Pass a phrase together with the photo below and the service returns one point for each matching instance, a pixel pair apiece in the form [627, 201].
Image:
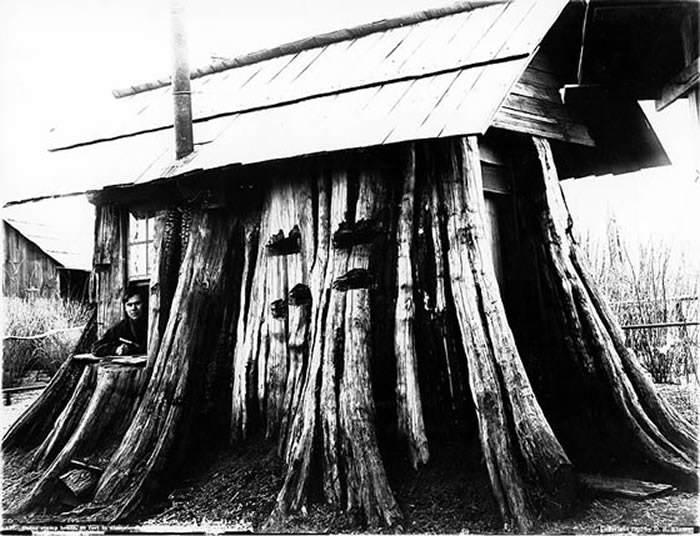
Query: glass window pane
[151, 226]
[137, 261]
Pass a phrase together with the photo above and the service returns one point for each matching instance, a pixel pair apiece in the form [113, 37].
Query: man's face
[134, 307]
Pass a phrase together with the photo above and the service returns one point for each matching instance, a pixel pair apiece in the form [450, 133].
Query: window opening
[141, 248]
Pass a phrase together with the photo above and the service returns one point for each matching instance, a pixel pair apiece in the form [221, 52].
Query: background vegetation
[651, 282]
[36, 316]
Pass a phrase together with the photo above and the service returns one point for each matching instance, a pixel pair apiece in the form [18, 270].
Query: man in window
[128, 336]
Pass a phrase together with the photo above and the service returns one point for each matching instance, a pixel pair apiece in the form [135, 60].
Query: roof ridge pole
[182, 96]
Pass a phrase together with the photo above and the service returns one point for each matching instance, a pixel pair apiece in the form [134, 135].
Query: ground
[236, 490]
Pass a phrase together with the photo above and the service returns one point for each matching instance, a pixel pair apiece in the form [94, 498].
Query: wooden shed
[42, 259]
[368, 246]
[28, 269]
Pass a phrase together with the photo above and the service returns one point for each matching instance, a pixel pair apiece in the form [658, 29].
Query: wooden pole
[182, 98]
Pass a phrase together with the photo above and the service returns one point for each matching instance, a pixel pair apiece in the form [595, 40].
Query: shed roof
[439, 73]
[56, 226]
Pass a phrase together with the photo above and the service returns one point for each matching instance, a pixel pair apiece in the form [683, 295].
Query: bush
[651, 283]
[34, 316]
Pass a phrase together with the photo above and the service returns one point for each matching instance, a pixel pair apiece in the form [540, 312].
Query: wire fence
[668, 340]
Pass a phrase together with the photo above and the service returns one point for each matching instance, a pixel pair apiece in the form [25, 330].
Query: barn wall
[27, 267]
[109, 265]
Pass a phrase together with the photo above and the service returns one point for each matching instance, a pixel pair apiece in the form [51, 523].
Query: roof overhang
[637, 46]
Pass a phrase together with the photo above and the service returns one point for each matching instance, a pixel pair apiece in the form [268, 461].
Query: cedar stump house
[364, 252]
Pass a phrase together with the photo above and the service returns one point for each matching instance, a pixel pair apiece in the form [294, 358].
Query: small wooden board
[128, 360]
[624, 487]
[86, 358]
[79, 482]
[131, 361]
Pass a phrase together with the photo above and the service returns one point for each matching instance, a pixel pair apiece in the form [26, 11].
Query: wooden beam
[681, 84]
[573, 92]
[316, 42]
[623, 487]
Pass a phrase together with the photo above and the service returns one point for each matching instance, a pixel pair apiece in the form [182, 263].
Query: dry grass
[651, 283]
[29, 317]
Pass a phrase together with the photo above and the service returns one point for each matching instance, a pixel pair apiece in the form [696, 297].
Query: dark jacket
[128, 330]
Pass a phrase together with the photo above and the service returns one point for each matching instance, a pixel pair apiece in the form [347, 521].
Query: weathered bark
[193, 323]
[366, 486]
[408, 399]
[68, 419]
[512, 426]
[276, 320]
[335, 420]
[332, 348]
[163, 281]
[108, 263]
[487, 392]
[332, 205]
[658, 435]
[35, 423]
[673, 426]
[310, 342]
[99, 411]
[443, 368]
[272, 329]
[250, 356]
[299, 309]
[241, 403]
[299, 302]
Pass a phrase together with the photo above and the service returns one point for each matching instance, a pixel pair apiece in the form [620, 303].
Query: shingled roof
[433, 74]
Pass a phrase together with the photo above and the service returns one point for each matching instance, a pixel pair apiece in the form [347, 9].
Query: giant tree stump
[595, 341]
[91, 425]
[353, 294]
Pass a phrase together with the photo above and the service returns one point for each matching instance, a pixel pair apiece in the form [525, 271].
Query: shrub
[33, 316]
[650, 283]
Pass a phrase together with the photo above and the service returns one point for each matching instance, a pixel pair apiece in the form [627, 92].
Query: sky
[62, 59]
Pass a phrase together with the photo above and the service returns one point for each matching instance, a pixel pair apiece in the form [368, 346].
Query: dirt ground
[236, 491]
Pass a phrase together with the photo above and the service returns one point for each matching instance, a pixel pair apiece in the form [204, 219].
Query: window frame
[146, 242]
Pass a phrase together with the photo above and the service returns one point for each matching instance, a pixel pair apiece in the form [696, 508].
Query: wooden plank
[624, 487]
[86, 358]
[496, 179]
[493, 235]
[79, 482]
[527, 89]
[518, 121]
[127, 361]
[82, 465]
[545, 109]
[538, 79]
[490, 153]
